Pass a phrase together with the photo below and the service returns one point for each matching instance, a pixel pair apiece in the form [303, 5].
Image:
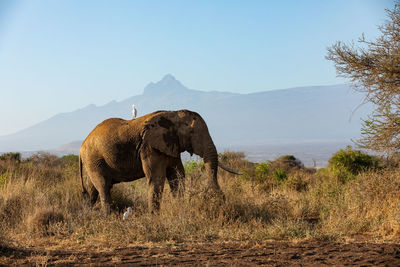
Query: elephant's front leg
[154, 194]
[154, 167]
[176, 177]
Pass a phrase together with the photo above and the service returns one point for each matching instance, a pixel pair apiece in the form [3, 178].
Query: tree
[374, 69]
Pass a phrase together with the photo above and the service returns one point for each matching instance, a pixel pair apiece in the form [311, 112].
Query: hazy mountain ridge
[304, 113]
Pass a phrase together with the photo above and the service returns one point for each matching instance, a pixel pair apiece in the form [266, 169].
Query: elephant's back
[102, 131]
[109, 124]
[115, 128]
[112, 146]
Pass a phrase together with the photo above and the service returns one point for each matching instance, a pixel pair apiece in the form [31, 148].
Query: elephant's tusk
[228, 169]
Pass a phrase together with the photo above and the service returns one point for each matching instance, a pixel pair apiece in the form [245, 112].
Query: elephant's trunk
[210, 158]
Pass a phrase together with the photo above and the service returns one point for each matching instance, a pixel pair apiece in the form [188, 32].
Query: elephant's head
[173, 132]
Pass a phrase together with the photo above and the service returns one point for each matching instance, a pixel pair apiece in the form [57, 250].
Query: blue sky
[58, 56]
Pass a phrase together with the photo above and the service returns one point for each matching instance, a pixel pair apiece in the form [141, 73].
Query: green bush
[70, 159]
[192, 165]
[347, 163]
[262, 172]
[274, 172]
[280, 175]
[13, 156]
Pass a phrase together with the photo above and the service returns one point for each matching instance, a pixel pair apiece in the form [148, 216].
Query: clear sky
[58, 56]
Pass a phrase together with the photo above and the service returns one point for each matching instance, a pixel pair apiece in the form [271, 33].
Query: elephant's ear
[160, 133]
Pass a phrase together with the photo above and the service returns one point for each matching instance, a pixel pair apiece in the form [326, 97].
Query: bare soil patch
[222, 254]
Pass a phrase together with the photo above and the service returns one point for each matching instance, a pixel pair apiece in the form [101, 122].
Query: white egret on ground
[126, 213]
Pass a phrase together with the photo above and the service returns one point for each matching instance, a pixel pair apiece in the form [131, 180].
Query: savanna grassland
[277, 212]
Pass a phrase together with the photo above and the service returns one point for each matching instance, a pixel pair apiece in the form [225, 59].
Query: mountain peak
[169, 81]
[168, 77]
[168, 84]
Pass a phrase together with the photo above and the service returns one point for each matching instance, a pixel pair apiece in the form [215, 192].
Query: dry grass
[40, 201]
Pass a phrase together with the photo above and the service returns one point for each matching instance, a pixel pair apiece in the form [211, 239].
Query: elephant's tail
[84, 192]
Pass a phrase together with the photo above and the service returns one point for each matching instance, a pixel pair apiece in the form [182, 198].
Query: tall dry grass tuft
[43, 220]
[40, 201]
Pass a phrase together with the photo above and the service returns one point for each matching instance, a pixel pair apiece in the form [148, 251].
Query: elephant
[120, 150]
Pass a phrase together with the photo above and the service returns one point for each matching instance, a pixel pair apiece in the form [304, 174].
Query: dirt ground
[215, 254]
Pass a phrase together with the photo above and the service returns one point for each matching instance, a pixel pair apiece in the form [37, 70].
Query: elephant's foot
[214, 194]
[214, 189]
[105, 200]
[106, 209]
[153, 206]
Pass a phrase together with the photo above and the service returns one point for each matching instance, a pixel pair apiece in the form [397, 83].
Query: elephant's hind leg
[176, 178]
[103, 188]
[92, 191]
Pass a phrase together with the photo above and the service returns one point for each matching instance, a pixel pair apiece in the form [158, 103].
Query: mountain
[304, 114]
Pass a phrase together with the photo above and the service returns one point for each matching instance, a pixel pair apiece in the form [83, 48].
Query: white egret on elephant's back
[134, 112]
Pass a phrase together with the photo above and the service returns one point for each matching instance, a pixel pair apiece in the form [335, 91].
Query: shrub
[287, 163]
[44, 159]
[269, 174]
[12, 156]
[193, 165]
[347, 163]
[231, 156]
[262, 171]
[235, 160]
[70, 159]
[280, 175]
[69, 164]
